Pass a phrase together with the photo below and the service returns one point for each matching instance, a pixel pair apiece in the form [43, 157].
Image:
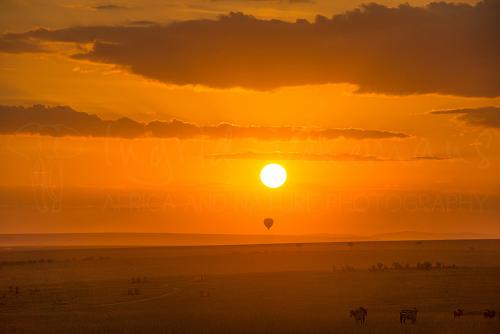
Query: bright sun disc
[273, 175]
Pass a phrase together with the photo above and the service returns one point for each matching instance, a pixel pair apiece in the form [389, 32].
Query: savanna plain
[282, 288]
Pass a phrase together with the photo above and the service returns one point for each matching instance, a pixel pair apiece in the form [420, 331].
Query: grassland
[292, 288]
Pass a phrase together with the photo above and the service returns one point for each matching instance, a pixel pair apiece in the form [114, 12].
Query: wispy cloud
[278, 155]
[488, 117]
[109, 7]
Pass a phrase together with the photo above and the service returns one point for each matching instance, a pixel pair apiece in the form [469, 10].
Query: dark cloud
[109, 7]
[64, 121]
[10, 43]
[313, 157]
[431, 157]
[443, 48]
[276, 1]
[301, 1]
[488, 117]
[142, 23]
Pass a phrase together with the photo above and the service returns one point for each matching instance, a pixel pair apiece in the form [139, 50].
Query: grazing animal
[489, 314]
[458, 313]
[359, 315]
[409, 314]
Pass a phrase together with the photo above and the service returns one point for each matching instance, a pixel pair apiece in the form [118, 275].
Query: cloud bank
[445, 48]
[64, 121]
[314, 157]
[488, 117]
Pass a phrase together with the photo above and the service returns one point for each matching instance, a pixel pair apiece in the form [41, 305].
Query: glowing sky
[386, 117]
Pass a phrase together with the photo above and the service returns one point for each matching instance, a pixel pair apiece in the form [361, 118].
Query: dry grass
[249, 289]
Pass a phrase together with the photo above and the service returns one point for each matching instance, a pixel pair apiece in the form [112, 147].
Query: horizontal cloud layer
[488, 117]
[10, 43]
[64, 121]
[109, 7]
[314, 157]
[440, 48]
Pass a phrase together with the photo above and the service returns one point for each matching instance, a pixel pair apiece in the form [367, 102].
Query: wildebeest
[359, 315]
[408, 314]
[489, 314]
[458, 313]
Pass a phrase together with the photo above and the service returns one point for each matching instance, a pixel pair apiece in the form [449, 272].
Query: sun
[273, 175]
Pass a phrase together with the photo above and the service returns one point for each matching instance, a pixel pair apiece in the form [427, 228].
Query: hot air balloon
[268, 222]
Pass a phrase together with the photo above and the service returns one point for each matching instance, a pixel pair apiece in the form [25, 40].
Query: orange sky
[409, 166]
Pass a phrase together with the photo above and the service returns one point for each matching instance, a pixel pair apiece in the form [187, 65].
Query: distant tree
[424, 265]
[397, 266]
[348, 268]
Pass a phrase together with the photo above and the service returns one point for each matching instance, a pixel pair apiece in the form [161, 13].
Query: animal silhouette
[359, 315]
[408, 314]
